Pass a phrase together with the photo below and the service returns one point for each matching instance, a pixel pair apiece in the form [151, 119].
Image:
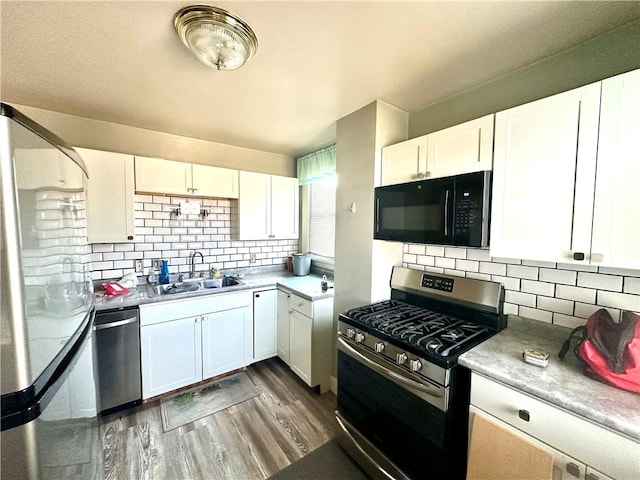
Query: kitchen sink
[194, 285]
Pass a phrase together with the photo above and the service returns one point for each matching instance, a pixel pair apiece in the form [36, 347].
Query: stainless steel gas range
[402, 398]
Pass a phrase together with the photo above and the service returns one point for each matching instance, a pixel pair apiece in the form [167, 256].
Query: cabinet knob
[592, 476]
[578, 255]
[524, 415]
[129, 237]
[573, 469]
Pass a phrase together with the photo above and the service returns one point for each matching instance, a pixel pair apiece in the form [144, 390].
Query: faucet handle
[181, 278]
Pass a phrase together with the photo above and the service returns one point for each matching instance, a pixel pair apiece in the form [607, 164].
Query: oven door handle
[388, 373]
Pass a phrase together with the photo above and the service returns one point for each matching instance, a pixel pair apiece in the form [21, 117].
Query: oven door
[415, 212]
[388, 420]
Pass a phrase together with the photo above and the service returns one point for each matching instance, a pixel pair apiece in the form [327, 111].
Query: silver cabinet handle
[573, 469]
[115, 324]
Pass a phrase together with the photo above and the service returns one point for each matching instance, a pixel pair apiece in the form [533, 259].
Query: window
[322, 217]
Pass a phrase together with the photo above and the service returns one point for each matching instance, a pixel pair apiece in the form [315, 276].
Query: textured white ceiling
[317, 61]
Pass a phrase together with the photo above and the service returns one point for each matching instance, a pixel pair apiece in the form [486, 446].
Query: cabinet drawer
[301, 305]
[594, 445]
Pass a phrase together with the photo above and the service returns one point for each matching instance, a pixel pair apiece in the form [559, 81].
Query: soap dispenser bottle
[164, 272]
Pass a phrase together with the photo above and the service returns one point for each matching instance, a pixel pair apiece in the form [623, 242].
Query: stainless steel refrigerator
[49, 427]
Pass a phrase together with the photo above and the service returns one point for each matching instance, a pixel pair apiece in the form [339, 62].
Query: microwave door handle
[446, 213]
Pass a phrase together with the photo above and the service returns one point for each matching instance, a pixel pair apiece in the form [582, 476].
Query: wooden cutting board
[497, 454]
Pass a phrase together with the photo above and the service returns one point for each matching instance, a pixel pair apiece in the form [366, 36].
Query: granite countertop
[307, 286]
[561, 383]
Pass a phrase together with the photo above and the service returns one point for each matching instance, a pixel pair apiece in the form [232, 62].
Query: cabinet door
[227, 341]
[284, 207]
[404, 162]
[283, 325]
[155, 175]
[110, 194]
[254, 206]
[265, 343]
[463, 148]
[171, 355]
[543, 177]
[214, 181]
[616, 216]
[300, 353]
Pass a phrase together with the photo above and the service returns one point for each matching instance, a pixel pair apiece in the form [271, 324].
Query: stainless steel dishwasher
[118, 347]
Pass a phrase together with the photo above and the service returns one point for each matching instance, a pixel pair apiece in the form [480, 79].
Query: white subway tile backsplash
[123, 247]
[510, 308]
[467, 265]
[416, 249]
[513, 261]
[622, 301]
[578, 267]
[578, 294]
[435, 250]
[535, 263]
[600, 281]
[445, 262]
[520, 298]
[631, 285]
[479, 276]
[102, 247]
[478, 254]
[453, 273]
[507, 282]
[555, 305]
[519, 271]
[618, 271]
[493, 268]
[564, 277]
[426, 260]
[540, 315]
[539, 288]
[453, 252]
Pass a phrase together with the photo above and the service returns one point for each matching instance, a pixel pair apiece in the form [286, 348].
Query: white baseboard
[333, 385]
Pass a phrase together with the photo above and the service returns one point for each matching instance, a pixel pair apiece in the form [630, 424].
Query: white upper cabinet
[110, 196]
[404, 162]
[543, 177]
[565, 178]
[214, 181]
[616, 214]
[267, 207]
[155, 175]
[463, 148]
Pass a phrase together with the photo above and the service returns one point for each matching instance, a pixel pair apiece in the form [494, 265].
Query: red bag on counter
[609, 351]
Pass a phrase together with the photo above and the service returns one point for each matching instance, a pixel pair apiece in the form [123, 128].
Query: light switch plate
[139, 267]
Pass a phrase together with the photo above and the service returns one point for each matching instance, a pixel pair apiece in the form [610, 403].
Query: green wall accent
[612, 53]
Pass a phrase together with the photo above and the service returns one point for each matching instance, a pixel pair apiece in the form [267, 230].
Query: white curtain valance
[317, 165]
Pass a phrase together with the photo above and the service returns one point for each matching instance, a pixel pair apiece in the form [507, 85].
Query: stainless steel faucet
[193, 263]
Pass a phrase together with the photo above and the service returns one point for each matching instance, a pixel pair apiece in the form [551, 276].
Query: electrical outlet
[156, 265]
[252, 258]
[139, 268]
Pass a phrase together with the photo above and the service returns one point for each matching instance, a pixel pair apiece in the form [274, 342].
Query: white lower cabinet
[300, 336]
[265, 343]
[171, 355]
[305, 334]
[580, 449]
[226, 341]
[186, 341]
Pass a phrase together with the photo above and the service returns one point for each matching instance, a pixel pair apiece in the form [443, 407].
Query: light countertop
[308, 286]
[561, 383]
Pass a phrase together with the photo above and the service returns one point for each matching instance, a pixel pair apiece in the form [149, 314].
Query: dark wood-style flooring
[251, 440]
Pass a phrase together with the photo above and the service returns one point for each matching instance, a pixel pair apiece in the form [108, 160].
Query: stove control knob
[401, 358]
[351, 333]
[379, 346]
[415, 365]
[359, 337]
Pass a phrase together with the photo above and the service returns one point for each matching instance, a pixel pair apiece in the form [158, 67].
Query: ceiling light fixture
[216, 37]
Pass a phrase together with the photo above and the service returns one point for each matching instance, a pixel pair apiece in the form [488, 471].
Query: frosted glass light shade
[217, 38]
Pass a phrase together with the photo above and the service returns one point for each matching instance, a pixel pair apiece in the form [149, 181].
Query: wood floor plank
[250, 440]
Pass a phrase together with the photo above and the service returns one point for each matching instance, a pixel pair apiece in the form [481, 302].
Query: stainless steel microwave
[444, 211]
